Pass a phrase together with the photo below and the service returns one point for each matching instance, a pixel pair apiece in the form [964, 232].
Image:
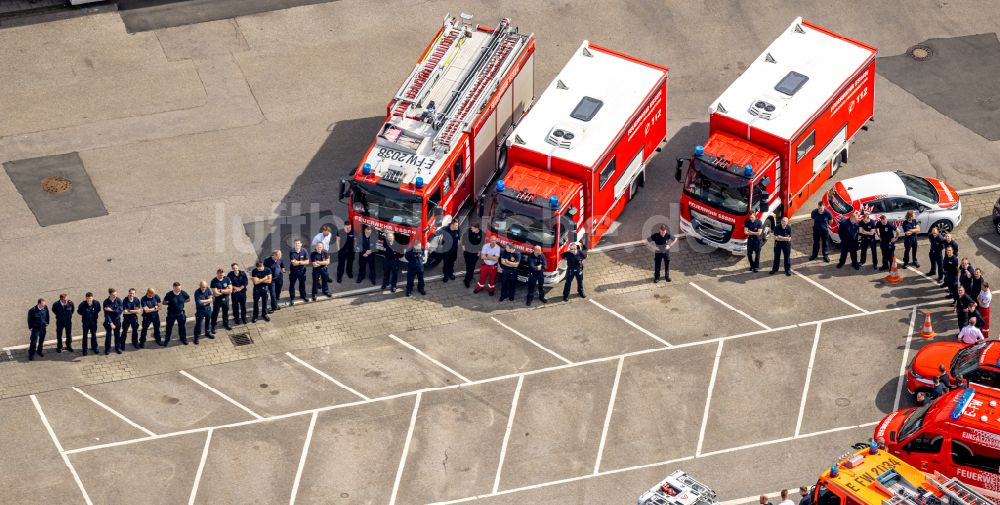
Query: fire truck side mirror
[343, 190]
[680, 166]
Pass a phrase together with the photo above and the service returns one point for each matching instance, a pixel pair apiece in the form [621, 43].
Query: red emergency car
[958, 435]
[978, 364]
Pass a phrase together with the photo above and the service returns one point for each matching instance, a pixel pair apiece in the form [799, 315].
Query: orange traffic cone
[893, 277]
[927, 332]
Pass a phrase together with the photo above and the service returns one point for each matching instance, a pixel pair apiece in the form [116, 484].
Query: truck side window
[805, 146]
[445, 183]
[972, 455]
[457, 168]
[607, 172]
[926, 443]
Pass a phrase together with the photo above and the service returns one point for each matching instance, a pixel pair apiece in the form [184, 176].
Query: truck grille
[711, 229]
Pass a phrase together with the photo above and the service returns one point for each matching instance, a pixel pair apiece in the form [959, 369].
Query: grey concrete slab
[31, 470]
[145, 15]
[480, 349]
[558, 423]
[273, 385]
[659, 406]
[757, 388]
[377, 367]
[456, 443]
[579, 330]
[76, 198]
[663, 311]
[789, 300]
[355, 452]
[864, 351]
[79, 422]
[167, 403]
[868, 289]
[165, 467]
[254, 463]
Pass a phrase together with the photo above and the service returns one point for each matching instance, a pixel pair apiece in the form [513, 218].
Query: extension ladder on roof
[962, 494]
[427, 71]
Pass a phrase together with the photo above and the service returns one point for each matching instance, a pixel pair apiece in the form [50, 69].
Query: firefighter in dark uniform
[663, 240]
[415, 267]
[910, 230]
[151, 305]
[320, 260]
[949, 271]
[472, 244]
[298, 260]
[239, 282]
[536, 275]
[574, 269]
[935, 252]
[38, 320]
[261, 279]
[886, 241]
[63, 311]
[89, 311]
[131, 308]
[345, 252]
[221, 289]
[366, 256]
[202, 311]
[175, 300]
[390, 264]
[277, 268]
[848, 232]
[754, 228]
[821, 218]
[113, 322]
[783, 245]
[510, 258]
[868, 229]
[451, 239]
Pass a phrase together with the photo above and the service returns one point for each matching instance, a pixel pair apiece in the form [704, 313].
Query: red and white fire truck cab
[777, 134]
[443, 137]
[580, 155]
[957, 435]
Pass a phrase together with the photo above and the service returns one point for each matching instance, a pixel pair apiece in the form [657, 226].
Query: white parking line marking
[632, 324]
[302, 459]
[730, 307]
[506, 435]
[221, 394]
[327, 377]
[59, 447]
[918, 272]
[432, 360]
[406, 451]
[831, 293]
[906, 356]
[607, 417]
[987, 242]
[201, 468]
[115, 412]
[708, 400]
[536, 344]
[809, 372]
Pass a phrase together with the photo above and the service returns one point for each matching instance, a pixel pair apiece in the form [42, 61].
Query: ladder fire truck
[678, 489]
[442, 141]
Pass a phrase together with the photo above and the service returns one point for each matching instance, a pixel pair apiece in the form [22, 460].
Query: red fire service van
[957, 435]
[443, 137]
[580, 155]
[777, 134]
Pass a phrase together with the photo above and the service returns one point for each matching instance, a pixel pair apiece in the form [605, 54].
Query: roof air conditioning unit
[763, 109]
[563, 136]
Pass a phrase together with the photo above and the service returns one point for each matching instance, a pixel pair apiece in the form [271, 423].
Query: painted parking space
[79, 422]
[868, 289]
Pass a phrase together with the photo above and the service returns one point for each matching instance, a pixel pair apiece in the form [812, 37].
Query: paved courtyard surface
[188, 134]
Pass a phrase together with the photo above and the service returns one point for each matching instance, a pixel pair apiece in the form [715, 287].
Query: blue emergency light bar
[366, 168]
[554, 202]
[500, 186]
[963, 401]
[834, 471]
[418, 182]
[699, 150]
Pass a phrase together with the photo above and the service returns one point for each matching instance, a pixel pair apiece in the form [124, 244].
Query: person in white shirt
[784, 498]
[324, 236]
[983, 299]
[970, 334]
[490, 254]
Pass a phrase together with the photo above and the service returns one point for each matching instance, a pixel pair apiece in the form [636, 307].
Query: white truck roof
[796, 75]
[592, 98]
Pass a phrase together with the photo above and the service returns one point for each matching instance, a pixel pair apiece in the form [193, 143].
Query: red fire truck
[580, 155]
[443, 137]
[777, 134]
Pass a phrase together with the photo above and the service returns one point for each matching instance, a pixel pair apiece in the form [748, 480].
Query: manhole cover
[56, 185]
[920, 52]
[239, 339]
[842, 402]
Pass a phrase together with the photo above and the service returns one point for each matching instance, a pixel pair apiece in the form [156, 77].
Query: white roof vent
[564, 136]
[765, 109]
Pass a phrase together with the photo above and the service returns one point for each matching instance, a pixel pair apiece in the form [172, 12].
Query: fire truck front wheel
[766, 232]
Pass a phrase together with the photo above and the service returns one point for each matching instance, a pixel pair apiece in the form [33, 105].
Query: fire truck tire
[766, 232]
[835, 163]
[943, 226]
[502, 160]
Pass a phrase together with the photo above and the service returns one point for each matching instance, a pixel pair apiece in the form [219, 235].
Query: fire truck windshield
[387, 205]
[523, 222]
[913, 422]
[717, 188]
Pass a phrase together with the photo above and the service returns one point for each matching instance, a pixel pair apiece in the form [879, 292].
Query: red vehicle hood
[947, 196]
[926, 362]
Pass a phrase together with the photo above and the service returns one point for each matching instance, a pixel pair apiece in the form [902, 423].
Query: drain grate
[920, 52]
[56, 185]
[239, 339]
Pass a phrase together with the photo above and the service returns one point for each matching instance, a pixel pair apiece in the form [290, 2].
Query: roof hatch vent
[791, 83]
